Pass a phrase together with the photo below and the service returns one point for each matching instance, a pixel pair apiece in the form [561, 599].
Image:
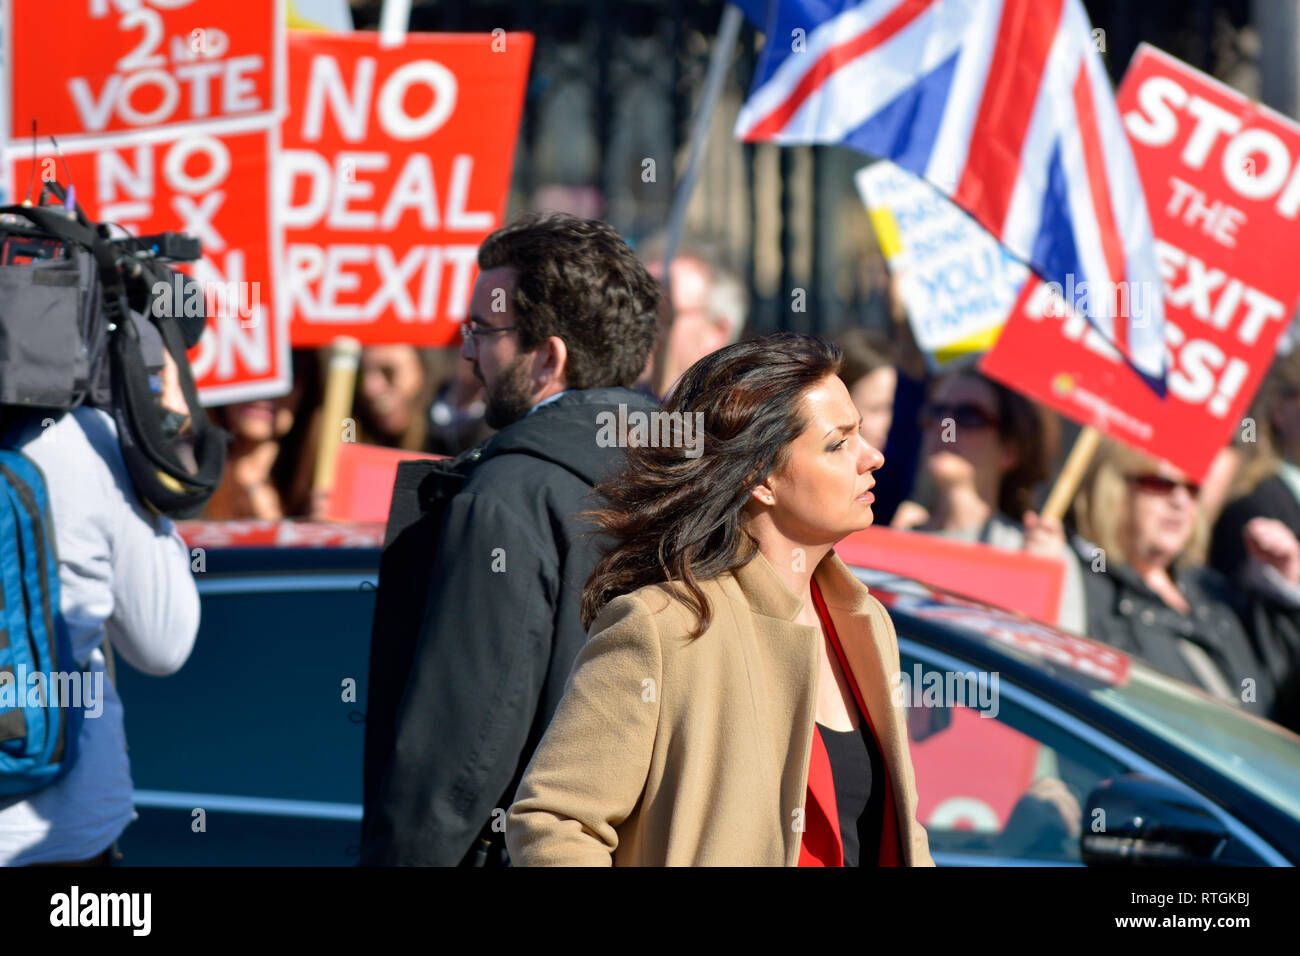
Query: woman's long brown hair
[672, 518]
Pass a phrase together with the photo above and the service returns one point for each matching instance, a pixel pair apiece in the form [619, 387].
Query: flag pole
[719, 61]
[1076, 466]
[394, 20]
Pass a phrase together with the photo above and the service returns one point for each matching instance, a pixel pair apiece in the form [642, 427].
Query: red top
[822, 843]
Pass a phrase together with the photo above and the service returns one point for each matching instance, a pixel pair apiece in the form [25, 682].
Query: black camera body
[84, 320]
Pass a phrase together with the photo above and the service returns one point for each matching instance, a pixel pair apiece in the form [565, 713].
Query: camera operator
[124, 574]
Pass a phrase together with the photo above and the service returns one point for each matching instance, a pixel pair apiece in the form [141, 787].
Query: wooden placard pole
[345, 356]
[1076, 465]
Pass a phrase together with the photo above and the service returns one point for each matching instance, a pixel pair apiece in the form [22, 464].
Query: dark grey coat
[1125, 613]
[498, 630]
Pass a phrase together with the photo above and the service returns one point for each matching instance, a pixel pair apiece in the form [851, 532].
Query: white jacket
[125, 573]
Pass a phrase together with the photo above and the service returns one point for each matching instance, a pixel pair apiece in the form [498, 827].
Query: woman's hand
[1273, 543]
[909, 515]
[1044, 536]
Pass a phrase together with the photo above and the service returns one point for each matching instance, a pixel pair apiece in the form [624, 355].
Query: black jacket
[1271, 498]
[476, 628]
[1125, 613]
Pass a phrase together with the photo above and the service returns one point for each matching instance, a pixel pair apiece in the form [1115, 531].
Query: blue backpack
[38, 730]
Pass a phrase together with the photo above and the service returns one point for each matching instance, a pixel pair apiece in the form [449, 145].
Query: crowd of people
[1203, 580]
[1200, 580]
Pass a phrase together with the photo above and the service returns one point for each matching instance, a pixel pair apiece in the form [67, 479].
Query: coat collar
[768, 594]
[871, 668]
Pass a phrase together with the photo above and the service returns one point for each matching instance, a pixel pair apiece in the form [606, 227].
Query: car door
[1003, 775]
[251, 753]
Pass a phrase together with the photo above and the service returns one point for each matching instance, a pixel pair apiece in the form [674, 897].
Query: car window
[992, 778]
[1259, 755]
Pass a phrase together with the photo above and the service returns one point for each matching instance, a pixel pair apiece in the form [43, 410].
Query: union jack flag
[1005, 106]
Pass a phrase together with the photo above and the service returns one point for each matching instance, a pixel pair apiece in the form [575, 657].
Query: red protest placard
[1222, 181]
[105, 66]
[363, 481]
[1014, 580]
[395, 166]
[211, 185]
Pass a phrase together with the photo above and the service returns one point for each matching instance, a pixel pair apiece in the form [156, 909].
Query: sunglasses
[963, 414]
[1160, 485]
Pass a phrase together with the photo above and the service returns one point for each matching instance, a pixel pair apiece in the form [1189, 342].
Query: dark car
[1031, 746]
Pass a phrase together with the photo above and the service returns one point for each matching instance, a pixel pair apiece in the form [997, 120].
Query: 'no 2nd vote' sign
[1221, 176]
[395, 166]
[94, 67]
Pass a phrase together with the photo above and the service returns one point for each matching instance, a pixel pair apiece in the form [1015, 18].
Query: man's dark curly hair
[577, 279]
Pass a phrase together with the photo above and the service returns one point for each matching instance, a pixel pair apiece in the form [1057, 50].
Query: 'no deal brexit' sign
[394, 168]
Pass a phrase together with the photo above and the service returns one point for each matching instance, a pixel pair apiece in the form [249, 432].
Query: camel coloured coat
[668, 750]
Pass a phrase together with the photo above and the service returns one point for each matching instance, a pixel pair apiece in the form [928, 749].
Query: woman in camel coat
[746, 713]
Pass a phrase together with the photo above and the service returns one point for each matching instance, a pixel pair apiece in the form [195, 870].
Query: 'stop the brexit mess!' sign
[1222, 179]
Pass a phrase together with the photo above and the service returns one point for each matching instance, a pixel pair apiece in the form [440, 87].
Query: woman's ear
[763, 493]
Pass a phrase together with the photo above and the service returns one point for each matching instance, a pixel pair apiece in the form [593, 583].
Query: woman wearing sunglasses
[742, 714]
[1148, 593]
[984, 449]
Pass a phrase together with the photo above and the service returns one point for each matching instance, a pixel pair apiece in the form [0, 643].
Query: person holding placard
[1147, 595]
[984, 450]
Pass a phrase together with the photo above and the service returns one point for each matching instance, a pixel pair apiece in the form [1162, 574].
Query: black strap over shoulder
[155, 469]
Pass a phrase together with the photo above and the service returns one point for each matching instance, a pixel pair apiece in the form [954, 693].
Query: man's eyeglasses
[469, 331]
[1160, 485]
[963, 414]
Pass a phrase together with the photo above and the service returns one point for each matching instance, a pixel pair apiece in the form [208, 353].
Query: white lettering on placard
[293, 164]
[1256, 164]
[199, 67]
[125, 186]
[1216, 219]
[112, 172]
[350, 108]
[346, 189]
[462, 169]
[320, 280]
[414, 190]
[392, 111]
[1206, 293]
[325, 82]
[176, 161]
[345, 202]
[1198, 370]
[196, 218]
[226, 336]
